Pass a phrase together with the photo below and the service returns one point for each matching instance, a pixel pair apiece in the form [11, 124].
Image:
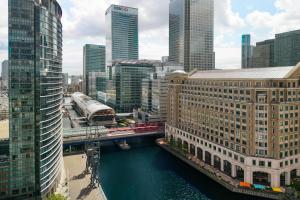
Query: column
[212, 160]
[287, 178]
[203, 155]
[275, 179]
[298, 172]
[222, 165]
[196, 151]
[248, 176]
[233, 171]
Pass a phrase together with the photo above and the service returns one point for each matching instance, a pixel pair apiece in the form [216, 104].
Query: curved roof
[179, 72]
[89, 105]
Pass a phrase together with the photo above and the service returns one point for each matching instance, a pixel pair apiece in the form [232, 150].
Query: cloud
[225, 18]
[286, 18]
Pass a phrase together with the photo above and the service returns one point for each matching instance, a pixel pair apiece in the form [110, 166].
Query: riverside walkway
[79, 181]
[219, 177]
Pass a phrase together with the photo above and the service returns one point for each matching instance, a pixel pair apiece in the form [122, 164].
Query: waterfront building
[93, 61]
[263, 54]
[154, 95]
[122, 37]
[191, 34]
[35, 97]
[4, 74]
[243, 122]
[247, 50]
[124, 88]
[287, 48]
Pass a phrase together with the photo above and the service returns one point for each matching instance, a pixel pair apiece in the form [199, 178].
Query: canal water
[146, 172]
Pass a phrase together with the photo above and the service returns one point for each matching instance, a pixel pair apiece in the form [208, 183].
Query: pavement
[79, 180]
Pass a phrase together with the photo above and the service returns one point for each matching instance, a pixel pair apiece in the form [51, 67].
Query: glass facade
[122, 41]
[191, 34]
[93, 61]
[124, 89]
[35, 96]
[287, 48]
[247, 50]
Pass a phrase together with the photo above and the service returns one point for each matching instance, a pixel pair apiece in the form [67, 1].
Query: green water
[146, 172]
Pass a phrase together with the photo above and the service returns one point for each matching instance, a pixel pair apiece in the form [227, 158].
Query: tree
[57, 197]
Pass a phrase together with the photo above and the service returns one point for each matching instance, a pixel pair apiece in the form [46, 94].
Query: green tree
[57, 197]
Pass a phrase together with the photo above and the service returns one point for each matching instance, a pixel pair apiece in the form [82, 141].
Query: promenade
[216, 175]
[79, 180]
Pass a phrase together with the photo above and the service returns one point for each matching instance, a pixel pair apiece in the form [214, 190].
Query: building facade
[244, 123]
[35, 97]
[122, 37]
[263, 54]
[287, 48]
[124, 87]
[93, 61]
[4, 74]
[247, 50]
[191, 34]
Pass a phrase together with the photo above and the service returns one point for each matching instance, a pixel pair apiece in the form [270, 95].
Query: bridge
[79, 136]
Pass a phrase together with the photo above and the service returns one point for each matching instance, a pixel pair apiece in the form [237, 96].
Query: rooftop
[4, 129]
[253, 73]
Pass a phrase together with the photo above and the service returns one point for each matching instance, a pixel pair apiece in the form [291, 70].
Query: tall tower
[191, 34]
[247, 51]
[93, 61]
[122, 37]
[35, 97]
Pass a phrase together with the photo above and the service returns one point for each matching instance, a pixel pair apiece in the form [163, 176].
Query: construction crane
[92, 151]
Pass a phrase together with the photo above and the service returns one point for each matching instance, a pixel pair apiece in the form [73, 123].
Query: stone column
[275, 179]
[298, 172]
[222, 165]
[233, 171]
[248, 176]
[287, 178]
[203, 155]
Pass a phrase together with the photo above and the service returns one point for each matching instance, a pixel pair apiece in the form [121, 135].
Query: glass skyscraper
[287, 48]
[35, 97]
[247, 50]
[122, 38]
[93, 61]
[191, 34]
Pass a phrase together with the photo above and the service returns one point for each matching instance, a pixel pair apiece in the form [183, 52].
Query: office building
[154, 95]
[96, 82]
[287, 48]
[191, 34]
[247, 50]
[65, 81]
[4, 74]
[122, 37]
[124, 89]
[243, 122]
[284, 50]
[93, 61]
[35, 97]
[263, 54]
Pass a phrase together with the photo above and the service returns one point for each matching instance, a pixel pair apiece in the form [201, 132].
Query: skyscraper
[4, 74]
[247, 50]
[263, 54]
[35, 97]
[122, 38]
[287, 48]
[191, 34]
[93, 61]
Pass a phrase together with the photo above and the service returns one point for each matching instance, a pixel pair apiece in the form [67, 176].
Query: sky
[84, 22]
